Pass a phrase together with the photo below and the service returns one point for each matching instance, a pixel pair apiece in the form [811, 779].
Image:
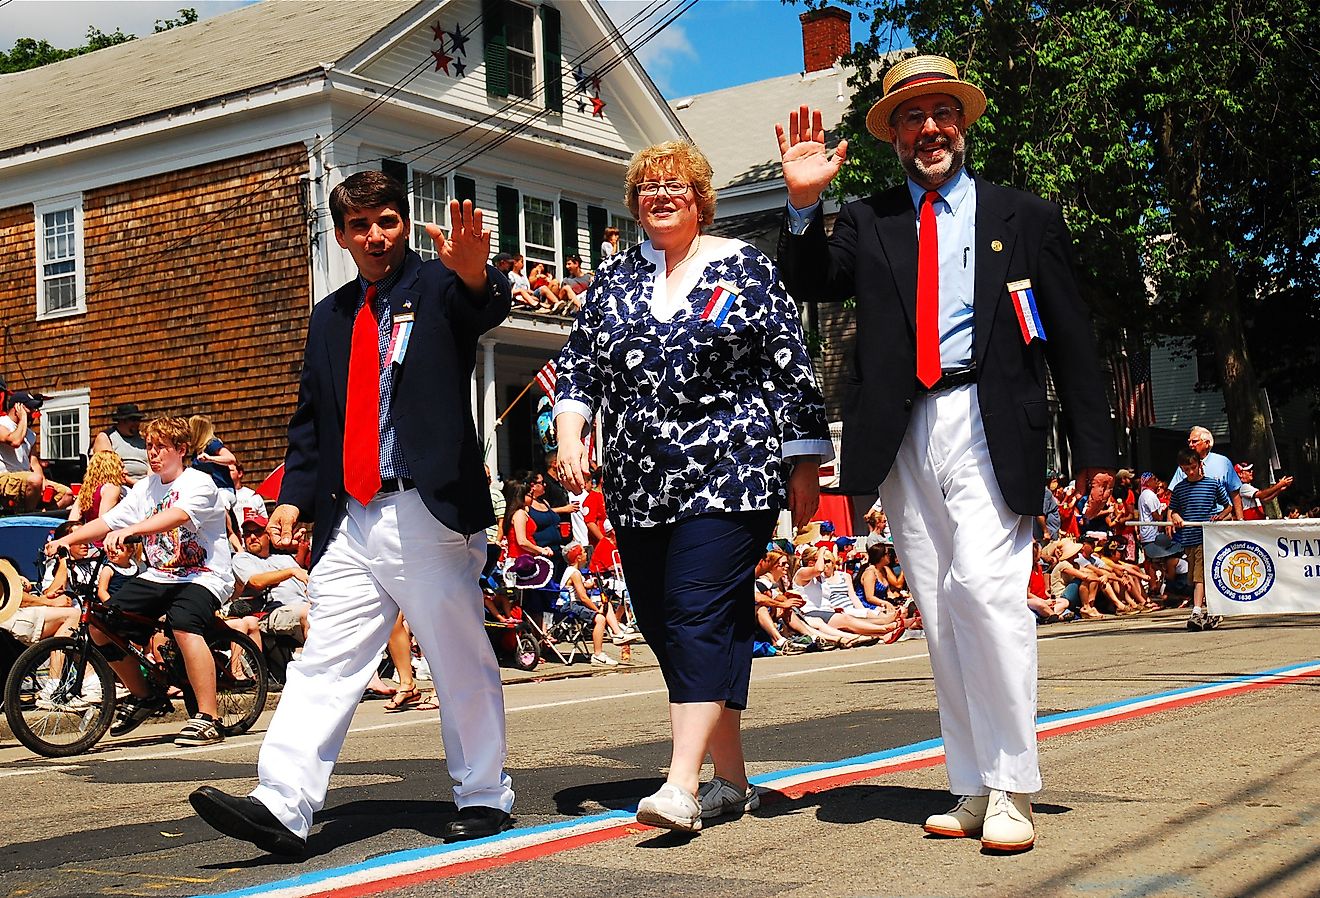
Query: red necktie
[928, 294]
[362, 413]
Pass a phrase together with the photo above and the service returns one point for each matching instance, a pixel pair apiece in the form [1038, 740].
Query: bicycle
[59, 697]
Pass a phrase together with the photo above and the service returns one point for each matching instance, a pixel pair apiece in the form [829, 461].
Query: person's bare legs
[726, 751]
[200, 665]
[694, 726]
[400, 652]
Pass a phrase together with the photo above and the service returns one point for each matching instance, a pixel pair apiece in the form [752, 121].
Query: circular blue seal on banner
[1243, 571]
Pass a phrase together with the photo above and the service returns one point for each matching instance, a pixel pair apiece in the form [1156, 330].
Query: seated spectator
[1132, 576]
[274, 583]
[124, 438]
[39, 615]
[777, 608]
[878, 528]
[841, 593]
[23, 483]
[1112, 587]
[810, 582]
[544, 288]
[210, 456]
[584, 606]
[1074, 583]
[520, 287]
[102, 487]
[609, 244]
[872, 579]
[895, 581]
[573, 287]
[1047, 608]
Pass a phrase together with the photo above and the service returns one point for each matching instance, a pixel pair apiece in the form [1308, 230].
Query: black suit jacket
[872, 255]
[431, 405]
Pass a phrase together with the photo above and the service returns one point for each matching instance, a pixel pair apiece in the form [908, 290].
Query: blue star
[580, 76]
[460, 39]
[581, 104]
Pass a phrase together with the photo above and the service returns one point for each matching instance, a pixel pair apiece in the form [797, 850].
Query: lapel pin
[996, 246]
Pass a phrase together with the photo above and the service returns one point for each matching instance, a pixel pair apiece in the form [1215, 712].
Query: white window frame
[420, 240]
[553, 259]
[63, 401]
[621, 221]
[40, 210]
[535, 52]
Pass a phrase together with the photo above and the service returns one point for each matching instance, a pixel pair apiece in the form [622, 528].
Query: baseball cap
[253, 516]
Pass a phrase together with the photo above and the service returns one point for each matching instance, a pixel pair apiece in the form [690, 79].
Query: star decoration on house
[459, 39]
[595, 84]
[460, 68]
[442, 60]
[580, 77]
[439, 33]
[581, 104]
[597, 107]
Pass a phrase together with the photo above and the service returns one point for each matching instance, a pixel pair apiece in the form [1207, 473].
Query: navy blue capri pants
[692, 588]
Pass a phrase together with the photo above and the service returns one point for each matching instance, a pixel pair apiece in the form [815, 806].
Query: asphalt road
[1209, 794]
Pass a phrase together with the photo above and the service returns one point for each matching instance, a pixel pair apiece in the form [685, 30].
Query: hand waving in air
[808, 165]
[468, 245]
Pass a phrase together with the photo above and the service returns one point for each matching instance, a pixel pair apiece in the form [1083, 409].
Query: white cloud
[64, 22]
[664, 52]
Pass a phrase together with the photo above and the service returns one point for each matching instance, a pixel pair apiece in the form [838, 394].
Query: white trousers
[388, 556]
[967, 558]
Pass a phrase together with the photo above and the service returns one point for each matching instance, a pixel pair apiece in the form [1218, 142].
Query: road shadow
[857, 803]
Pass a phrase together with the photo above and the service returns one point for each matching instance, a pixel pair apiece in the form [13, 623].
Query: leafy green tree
[1183, 140]
[29, 53]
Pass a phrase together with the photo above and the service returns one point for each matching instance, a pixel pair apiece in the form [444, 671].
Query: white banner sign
[1263, 567]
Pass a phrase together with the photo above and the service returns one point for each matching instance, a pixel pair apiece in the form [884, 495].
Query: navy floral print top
[705, 392]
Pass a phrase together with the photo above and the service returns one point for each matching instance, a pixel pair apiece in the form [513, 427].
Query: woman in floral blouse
[692, 353]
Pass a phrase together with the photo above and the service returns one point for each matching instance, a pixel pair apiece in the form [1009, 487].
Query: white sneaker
[625, 638]
[1008, 825]
[604, 659]
[964, 820]
[719, 797]
[670, 808]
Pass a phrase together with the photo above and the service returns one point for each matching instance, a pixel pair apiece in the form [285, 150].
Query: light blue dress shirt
[955, 220]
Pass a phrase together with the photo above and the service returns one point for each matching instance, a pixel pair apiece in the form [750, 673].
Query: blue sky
[693, 55]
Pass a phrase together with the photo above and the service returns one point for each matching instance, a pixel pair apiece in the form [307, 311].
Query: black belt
[956, 377]
[396, 485]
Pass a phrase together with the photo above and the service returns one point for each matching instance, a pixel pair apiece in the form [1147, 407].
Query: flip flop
[427, 704]
[403, 700]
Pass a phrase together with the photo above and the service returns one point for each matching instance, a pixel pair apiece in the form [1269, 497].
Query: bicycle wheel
[241, 684]
[56, 704]
[527, 651]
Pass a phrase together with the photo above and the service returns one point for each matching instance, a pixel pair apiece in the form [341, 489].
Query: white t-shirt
[578, 521]
[1248, 493]
[248, 498]
[194, 552]
[288, 592]
[15, 459]
[813, 595]
[519, 281]
[1149, 508]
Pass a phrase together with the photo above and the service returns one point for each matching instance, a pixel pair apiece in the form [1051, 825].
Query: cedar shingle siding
[197, 300]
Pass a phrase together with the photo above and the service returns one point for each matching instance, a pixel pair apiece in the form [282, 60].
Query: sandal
[893, 635]
[427, 704]
[403, 699]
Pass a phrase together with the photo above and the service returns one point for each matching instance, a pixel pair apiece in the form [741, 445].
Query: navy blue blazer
[872, 255]
[432, 401]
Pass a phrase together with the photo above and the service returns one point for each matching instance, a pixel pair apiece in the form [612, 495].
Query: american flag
[545, 378]
[1133, 393]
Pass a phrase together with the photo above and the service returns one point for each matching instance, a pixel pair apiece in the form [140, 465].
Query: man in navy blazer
[409, 540]
[945, 406]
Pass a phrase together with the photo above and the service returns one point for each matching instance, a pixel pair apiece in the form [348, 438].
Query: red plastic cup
[48, 494]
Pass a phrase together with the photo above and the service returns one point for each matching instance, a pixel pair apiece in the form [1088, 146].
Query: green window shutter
[497, 48]
[553, 61]
[597, 220]
[506, 205]
[396, 170]
[568, 225]
[465, 189]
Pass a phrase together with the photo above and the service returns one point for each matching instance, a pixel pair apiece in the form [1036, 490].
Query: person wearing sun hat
[964, 295]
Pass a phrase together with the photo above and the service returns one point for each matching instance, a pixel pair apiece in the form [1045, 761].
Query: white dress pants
[388, 556]
[967, 558]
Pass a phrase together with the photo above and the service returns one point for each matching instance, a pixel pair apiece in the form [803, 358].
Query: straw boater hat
[917, 76]
[11, 591]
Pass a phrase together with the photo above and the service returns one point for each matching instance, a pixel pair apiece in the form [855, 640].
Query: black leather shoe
[246, 819]
[476, 822]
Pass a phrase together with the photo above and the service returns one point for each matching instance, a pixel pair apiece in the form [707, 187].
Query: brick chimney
[825, 37]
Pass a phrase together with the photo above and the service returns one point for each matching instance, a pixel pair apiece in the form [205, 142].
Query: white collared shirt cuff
[572, 405]
[822, 449]
[800, 219]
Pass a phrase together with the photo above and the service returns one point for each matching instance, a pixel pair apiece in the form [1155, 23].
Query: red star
[442, 60]
[595, 84]
[597, 107]
[439, 33]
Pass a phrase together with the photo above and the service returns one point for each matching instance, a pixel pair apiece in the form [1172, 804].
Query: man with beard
[951, 421]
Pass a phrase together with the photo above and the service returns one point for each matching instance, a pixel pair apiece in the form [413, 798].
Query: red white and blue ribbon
[721, 300]
[1028, 316]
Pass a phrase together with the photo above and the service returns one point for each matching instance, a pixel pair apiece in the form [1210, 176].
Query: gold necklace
[696, 245]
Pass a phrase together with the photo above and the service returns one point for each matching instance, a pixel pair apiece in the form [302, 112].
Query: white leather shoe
[963, 821]
[1008, 825]
[670, 808]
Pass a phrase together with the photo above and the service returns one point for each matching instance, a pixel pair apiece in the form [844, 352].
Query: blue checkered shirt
[392, 462]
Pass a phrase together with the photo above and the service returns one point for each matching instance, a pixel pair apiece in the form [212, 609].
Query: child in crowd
[1193, 502]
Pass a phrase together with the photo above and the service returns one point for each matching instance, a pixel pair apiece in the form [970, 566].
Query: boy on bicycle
[178, 513]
